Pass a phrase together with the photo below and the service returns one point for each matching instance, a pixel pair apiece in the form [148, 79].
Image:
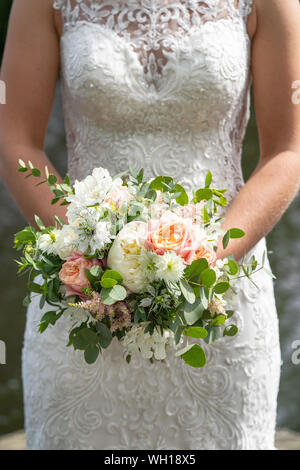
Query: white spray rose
[124, 255]
[46, 242]
[91, 191]
[66, 242]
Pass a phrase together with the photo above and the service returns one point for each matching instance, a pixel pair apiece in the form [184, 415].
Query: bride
[164, 85]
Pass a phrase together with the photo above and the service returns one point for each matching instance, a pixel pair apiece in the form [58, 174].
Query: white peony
[66, 241]
[169, 267]
[124, 255]
[46, 242]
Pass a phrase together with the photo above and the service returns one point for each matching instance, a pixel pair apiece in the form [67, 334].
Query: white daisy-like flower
[169, 267]
[148, 260]
[46, 242]
[101, 236]
[137, 342]
[93, 233]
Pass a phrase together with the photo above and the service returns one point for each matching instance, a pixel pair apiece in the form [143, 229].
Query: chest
[149, 51]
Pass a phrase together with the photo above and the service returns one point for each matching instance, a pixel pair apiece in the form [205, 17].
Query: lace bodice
[157, 84]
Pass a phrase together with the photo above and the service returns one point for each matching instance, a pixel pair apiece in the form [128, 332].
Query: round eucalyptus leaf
[221, 287]
[195, 332]
[208, 277]
[195, 356]
[187, 291]
[91, 354]
[230, 330]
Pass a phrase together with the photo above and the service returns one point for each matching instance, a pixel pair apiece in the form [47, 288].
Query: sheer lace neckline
[152, 28]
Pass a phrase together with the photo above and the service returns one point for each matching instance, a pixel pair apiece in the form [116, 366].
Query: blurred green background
[283, 243]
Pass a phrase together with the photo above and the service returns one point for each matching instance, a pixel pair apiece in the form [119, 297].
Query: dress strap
[58, 4]
[245, 7]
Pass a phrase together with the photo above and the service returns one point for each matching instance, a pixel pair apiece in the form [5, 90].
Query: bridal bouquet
[136, 261]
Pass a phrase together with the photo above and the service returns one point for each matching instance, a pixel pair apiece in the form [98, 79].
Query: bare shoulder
[277, 15]
[35, 11]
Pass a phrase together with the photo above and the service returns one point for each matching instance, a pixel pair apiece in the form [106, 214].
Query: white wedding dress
[162, 85]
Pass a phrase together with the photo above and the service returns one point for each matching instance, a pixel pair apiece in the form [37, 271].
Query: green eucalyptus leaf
[236, 233]
[229, 313]
[208, 277]
[96, 271]
[161, 183]
[193, 312]
[39, 223]
[91, 354]
[105, 336]
[226, 239]
[85, 338]
[26, 301]
[34, 287]
[219, 320]
[221, 287]
[118, 292]
[203, 193]
[233, 267]
[214, 333]
[230, 330]
[106, 297]
[112, 274]
[36, 172]
[106, 282]
[183, 350]
[195, 332]
[49, 317]
[182, 198]
[187, 291]
[208, 179]
[195, 356]
[196, 267]
[52, 179]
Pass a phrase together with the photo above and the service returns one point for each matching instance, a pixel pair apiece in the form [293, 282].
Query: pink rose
[173, 233]
[119, 197]
[72, 273]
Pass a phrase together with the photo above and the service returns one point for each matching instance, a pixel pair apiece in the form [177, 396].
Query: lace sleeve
[246, 8]
[57, 4]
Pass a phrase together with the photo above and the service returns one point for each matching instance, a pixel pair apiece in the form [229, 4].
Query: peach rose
[72, 273]
[173, 233]
[202, 252]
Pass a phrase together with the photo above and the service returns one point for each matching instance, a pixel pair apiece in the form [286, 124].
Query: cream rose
[124, 255]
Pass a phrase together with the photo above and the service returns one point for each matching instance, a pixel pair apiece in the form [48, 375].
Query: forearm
[31, 199]
[261, 202]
